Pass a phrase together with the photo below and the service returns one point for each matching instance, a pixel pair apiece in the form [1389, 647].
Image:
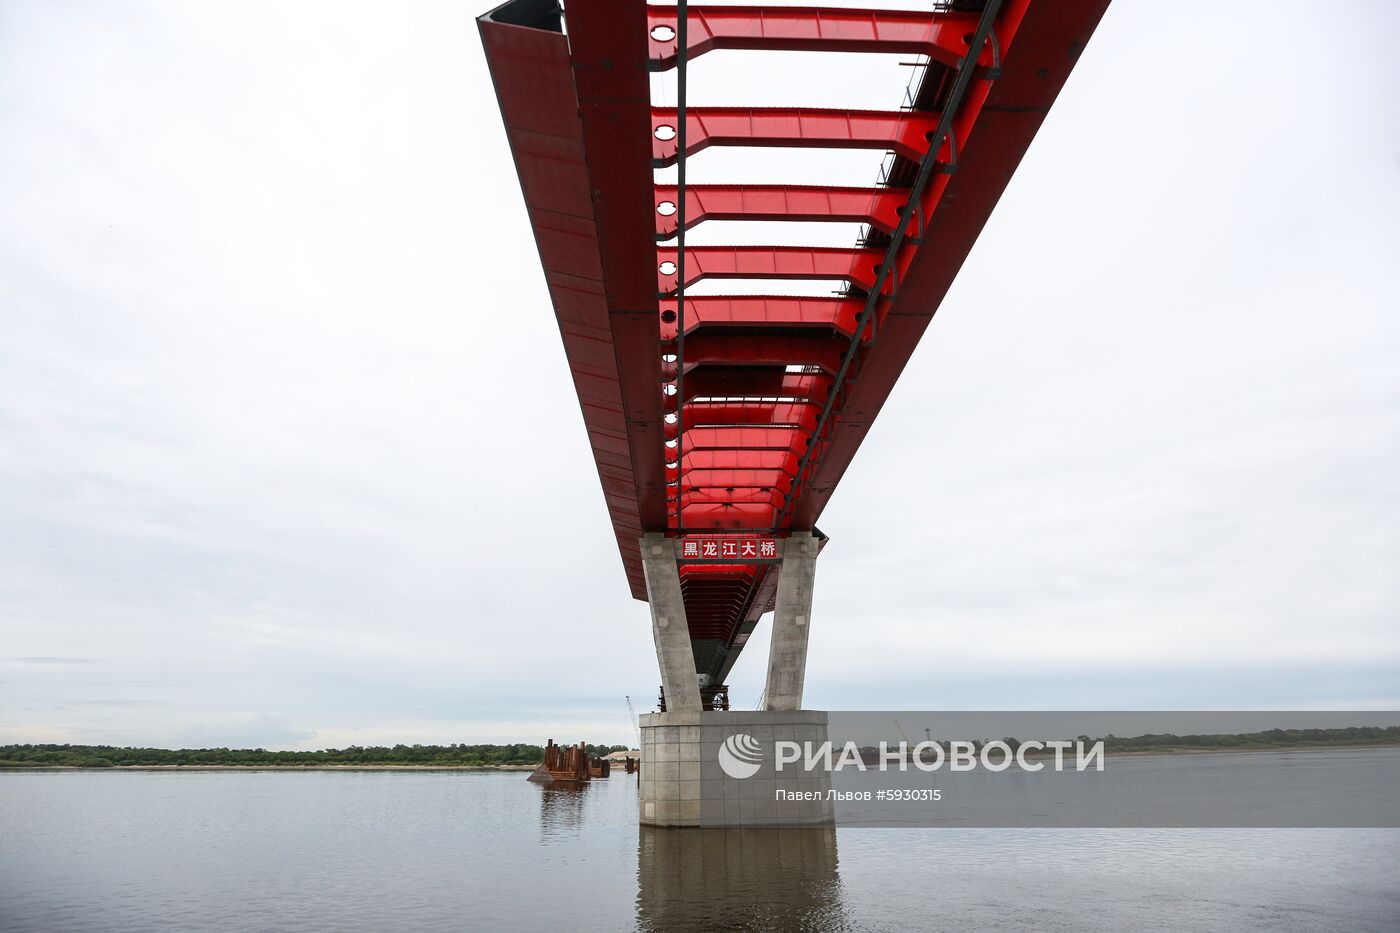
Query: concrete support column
[668, 624]
[792, 614]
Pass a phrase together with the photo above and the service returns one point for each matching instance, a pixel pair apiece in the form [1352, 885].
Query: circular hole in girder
[669, 389]
[967, 39]
[668, 316]
[667, 268]
[671, 464]
[668, 357]
[666, 208]
[663, 33]
[672, 443]
[670, 417]
[665, 132]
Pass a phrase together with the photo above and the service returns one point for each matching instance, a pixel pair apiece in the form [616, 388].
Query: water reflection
[561, 806]
[738, 879]
[130, 852]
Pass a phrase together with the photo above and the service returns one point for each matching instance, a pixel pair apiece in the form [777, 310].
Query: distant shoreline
[1170, 751]
[1164, 752]
[455, 757]
[1167, 750]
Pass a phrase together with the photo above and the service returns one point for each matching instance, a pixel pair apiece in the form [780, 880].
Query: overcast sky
[289, 453]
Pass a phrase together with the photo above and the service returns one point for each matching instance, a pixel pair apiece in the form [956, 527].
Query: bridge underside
[718, 418]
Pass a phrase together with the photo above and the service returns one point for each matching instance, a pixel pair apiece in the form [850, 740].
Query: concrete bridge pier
[669, 628]
[719, 768]
[792, 615]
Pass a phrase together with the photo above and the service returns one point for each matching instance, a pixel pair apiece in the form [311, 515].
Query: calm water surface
[129, 851]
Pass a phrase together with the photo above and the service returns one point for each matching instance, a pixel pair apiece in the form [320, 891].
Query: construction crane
[631, 715]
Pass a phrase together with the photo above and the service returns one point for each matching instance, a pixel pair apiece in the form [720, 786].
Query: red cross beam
[907, 132]
[942, 36]
[768, 262]
[879, 207]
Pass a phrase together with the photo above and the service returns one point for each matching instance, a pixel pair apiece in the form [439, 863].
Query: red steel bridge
[726, 422]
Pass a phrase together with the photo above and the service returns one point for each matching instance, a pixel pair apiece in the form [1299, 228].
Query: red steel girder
[878, 207]
[760, 311]
[822, 352]
[713, 383]
[801, 415]
[709, 512]
[745, 438]
[732, 495]
[756, 488]
[739, 460]
[717, 596]
[941, 36]
[726, 508]
[717, 599]
[1041, 42]
[767, 262]
[578, 129]
[724, 478]
[726, 465]
[578, 114]
[906, 132]
[722, 516]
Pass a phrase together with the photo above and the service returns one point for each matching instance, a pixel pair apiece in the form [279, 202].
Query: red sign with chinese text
[738, 548]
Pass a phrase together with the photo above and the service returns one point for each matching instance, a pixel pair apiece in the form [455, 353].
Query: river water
[317, 850]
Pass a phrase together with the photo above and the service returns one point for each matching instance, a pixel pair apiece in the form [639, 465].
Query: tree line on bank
[1272, 738]
[486, 756]
[108, 756]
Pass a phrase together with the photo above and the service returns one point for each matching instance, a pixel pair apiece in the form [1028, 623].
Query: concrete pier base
[714, 768]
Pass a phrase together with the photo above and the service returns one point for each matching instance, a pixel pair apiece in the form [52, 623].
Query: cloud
[120, 703]
[261, 731]
[287, 435]
[51, 660]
